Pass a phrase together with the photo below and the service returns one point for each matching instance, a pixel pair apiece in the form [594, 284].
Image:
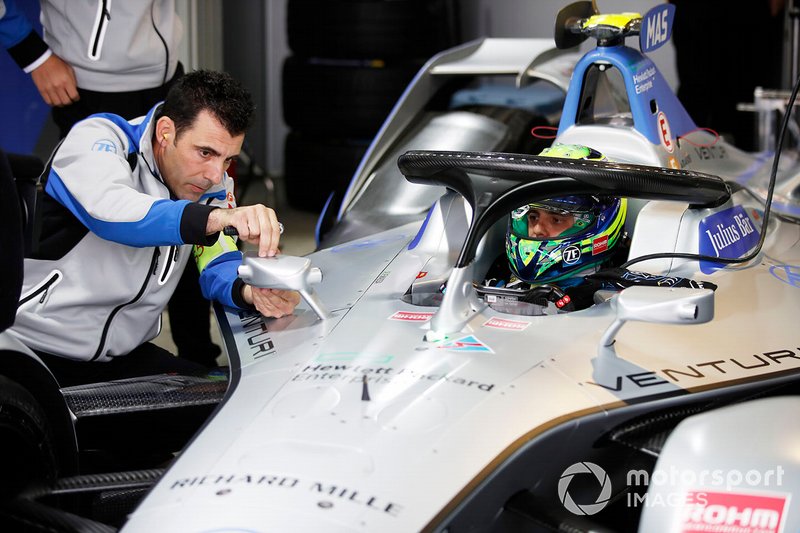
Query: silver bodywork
[392, 414]
[295, 447]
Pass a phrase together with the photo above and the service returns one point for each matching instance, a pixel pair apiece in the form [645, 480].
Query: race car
[404, 395]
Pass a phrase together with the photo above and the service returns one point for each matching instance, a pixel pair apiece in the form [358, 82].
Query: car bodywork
[383, 405]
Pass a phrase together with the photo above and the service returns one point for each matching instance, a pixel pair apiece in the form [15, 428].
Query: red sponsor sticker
[727, 512]
[600, 245]
[421, 274]
[407, 316]
[502, 323]
[665, 132]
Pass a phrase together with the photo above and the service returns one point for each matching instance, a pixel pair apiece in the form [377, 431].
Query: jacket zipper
[42, 289]
[99, 30]
[172, 259]
[163, 41]
[150, 271]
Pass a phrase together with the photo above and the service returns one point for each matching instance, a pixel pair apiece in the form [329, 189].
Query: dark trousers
[190, 320]
[146, 360]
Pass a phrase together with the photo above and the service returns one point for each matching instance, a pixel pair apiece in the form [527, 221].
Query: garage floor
[298, 239]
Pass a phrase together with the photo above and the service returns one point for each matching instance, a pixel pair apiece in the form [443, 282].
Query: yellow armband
[203, 255]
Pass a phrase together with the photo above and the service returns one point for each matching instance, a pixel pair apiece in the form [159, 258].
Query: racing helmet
[597, 226]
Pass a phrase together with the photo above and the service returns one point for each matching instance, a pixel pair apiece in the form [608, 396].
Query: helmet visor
[559, 217]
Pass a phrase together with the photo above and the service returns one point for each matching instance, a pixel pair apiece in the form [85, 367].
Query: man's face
[543, 223]
[198, 158]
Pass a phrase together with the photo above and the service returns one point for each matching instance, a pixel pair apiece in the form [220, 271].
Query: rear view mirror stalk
[659, 305]
[285, 272]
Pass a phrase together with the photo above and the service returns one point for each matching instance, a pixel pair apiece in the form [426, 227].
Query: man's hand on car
[271, 302]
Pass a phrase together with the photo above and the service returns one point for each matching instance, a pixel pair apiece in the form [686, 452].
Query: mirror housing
[285, 272]
[660, 305]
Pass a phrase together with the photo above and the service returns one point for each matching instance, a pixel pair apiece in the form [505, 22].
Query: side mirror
[660, 305]
[284, 272]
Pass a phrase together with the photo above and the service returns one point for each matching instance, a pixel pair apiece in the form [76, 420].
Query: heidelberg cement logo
[581, 469]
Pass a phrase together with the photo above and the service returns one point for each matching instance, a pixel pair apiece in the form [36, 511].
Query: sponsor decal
[644, 80]
[258, 340]
[421, 274]
[363, 357]
[582, 469]
[672, 162]
[729, 512]
[337, 493]
[730, 233]
[789, 274]
[656, 27]
[600, 245]
[381, 375]
[571, 254]
[785, 358]
[465, 344]
[664, 132]
[503, 323]
[408, 316]
[708, 153]
[104, 145]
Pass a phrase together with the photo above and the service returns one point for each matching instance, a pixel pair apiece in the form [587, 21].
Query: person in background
[120, 58]
[124, 203]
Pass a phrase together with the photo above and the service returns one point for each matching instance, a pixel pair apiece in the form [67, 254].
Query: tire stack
[352, 60]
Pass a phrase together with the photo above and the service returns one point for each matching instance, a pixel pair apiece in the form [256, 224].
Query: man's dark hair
[216, 92]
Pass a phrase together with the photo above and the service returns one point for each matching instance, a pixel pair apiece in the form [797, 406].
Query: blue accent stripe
[159, 227]
[318, 226]
[413, 244]
[15, 25]
[132, 131]
[217, 279]
[757, 165]
[643, 82]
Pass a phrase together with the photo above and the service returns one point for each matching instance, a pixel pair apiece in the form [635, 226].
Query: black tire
[344, 99]
[26, 443]
[314, 168]
[369, 28]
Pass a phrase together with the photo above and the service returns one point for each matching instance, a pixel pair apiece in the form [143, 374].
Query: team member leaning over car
[123, 206]
[561, 251]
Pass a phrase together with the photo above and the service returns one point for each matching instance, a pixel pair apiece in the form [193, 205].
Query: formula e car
[404, 396]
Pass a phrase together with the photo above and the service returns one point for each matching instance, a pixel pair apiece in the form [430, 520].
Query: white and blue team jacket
[111, 46]
[113, 245]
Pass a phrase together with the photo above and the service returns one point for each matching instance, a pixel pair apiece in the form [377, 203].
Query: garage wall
[479, 18]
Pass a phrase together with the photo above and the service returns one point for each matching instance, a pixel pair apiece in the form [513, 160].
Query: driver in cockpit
[560, 252]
